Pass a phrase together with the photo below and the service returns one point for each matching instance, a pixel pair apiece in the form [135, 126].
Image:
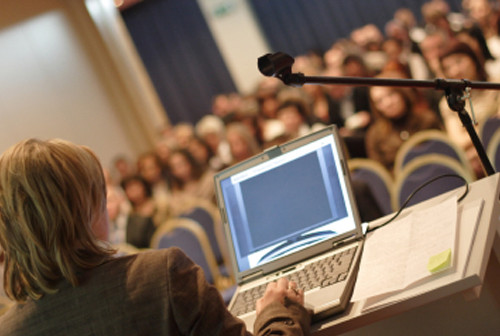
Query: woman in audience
[122, 167]
[397, 117]
[486, 15]
[189, 179]
[461, 61]
[66, 281]
[145, 214]
[241, 142]
[151, 169]
[201, 152]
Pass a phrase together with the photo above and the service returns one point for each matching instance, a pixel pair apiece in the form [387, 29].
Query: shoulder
[158, 257]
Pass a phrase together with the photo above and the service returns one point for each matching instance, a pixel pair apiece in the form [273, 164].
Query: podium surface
[455, 302]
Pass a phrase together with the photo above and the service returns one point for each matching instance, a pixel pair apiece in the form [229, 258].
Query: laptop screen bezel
[327, 244]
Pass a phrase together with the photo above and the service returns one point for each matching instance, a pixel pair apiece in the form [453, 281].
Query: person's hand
[358, 120]
[278, 291]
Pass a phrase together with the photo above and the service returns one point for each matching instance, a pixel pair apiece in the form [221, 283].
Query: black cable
[405, 203]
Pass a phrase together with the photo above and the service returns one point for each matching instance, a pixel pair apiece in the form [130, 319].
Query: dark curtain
[299, 26]
[180, 55]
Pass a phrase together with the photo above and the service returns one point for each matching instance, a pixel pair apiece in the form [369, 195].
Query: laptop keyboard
[323, 272]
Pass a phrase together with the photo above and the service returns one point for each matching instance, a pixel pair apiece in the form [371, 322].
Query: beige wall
[69, 71]
[239, 39]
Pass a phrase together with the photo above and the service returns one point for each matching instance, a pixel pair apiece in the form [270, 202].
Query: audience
[239, 126]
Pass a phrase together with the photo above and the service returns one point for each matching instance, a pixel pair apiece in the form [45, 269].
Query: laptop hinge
[252, 276]
[345, 241]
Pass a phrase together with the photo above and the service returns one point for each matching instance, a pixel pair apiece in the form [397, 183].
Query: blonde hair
[51, 195]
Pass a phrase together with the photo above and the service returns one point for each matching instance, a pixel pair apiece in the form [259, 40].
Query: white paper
[396, 256]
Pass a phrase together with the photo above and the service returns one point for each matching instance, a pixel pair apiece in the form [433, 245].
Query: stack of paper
[407, 252]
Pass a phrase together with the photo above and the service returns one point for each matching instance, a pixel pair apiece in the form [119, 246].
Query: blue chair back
[423, 169]
[493, 150]
[429, 142]
[488, 129]
[204, 218]
[377, 178]
[428, 147]
[187, 240]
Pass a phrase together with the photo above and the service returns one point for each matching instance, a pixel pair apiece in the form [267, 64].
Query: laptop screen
[287, 203]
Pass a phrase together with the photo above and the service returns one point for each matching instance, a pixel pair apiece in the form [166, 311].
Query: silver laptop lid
[287, 204]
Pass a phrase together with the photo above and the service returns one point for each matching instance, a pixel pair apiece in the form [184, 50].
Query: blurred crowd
[373, 122]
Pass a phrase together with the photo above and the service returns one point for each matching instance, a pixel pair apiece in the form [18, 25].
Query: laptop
[290, 212]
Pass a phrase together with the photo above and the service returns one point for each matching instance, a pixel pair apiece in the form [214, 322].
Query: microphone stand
[279, 65]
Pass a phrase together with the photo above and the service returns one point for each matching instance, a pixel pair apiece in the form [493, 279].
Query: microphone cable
[423, 185]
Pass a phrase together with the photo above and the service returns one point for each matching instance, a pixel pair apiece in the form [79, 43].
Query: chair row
[421, 158]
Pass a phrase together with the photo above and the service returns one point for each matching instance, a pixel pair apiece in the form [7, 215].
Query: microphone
[279, 65]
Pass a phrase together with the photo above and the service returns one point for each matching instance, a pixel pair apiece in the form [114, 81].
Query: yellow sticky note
[439, 261]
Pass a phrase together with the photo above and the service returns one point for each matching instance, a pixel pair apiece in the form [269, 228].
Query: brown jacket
[152, 293]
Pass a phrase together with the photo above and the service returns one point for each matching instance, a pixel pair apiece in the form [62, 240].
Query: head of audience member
[53, 212]
[354, 66]
[267, 96]
[336, 92]
[432, 45]
[294, 115]
[248, 114]
[460, 61]
[241, 142]
[151, 169]
[183, 132]
[481, 11]
[211, 129]
[391, 104]
[122, 167]
[406, 17]
[184, 168]
[162, 150]
[435, 14]
[393, 48]
[224, 105]
[221, 106]
[368, 37]
[138, 192]
[201, 151]
[395, 29]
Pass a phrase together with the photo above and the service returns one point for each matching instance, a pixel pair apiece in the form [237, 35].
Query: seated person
[461, 61]
[146, 213]
[397, 117]
[66, 280]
